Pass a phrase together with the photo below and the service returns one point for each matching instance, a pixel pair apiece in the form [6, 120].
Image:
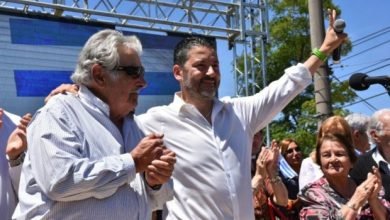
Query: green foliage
[290, 44]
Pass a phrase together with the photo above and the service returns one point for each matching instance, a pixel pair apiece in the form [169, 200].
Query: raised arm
[332, 41]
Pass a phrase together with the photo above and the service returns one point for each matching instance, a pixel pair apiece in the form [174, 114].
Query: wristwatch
[19, 160]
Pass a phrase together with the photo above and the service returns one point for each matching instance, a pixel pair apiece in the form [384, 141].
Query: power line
[364, 40]
[362, 100]
[378, 68]
[371, 36]
[364, 51]
[372, 70]
[340, 65]
[361, 41]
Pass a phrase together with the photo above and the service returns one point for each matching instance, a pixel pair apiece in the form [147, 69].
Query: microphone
[360, 81]
[338, 27]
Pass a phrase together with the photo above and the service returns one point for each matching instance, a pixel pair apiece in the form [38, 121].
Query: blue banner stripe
[42, 32]
[38, 83]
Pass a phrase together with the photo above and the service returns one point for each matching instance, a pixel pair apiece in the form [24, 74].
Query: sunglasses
[133, 71]
[289, 151]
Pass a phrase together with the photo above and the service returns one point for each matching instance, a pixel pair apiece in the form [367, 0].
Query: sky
[367, 26]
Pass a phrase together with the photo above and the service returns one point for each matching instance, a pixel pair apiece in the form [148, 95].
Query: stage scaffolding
[243, 24]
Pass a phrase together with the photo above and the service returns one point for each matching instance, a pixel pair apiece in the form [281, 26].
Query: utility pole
[321, 77]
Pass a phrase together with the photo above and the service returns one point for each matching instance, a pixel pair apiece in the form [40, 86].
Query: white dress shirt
[78, 165]
[212, 172]
[8, 196]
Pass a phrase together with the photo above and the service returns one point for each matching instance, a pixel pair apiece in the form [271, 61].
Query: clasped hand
[153, 158]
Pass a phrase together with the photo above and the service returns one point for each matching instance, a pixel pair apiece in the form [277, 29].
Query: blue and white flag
[37, 55]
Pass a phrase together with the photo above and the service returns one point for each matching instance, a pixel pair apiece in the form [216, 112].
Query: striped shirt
[78, 165]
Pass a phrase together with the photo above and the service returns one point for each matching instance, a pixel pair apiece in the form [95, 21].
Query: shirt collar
[180, 106]
[178, 102]
[87, 97]
[377, 156]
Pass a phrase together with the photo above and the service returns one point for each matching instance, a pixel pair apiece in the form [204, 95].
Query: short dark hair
[342, 139]
[181, 50]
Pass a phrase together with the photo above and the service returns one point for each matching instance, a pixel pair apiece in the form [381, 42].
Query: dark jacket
[364, 165]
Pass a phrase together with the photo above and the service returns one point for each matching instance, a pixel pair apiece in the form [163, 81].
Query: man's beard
[202, 94]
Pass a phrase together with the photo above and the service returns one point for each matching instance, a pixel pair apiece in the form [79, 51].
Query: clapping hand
[267, 162]
[17, 141]
[368, 189]
[377, 183]
[273, 160]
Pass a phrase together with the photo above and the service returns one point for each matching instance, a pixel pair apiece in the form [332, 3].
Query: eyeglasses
[289, 151]
[133, 71]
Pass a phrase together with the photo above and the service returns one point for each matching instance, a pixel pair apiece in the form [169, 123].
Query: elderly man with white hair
[379, 130]
[87, 158]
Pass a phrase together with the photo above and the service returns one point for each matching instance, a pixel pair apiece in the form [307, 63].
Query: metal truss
[243, 24]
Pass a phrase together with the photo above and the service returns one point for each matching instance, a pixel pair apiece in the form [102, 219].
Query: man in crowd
[87, 159]
[379, 129]
[359, 126]
[212, 138]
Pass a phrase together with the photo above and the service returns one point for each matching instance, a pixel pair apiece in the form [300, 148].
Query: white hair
[102, 48]
[376, 122]
[358, 122]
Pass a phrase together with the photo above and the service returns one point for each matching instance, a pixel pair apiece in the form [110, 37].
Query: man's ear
[98, 75]
[177, 72]
[373, 135]
[355, 133]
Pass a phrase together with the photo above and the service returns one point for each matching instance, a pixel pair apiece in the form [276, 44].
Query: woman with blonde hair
[291, 152]
[310, 170]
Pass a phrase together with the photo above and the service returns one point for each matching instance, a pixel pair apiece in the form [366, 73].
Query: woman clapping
[335, 195]
[268, 188]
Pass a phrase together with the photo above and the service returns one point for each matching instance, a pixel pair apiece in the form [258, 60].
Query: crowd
[86, 155]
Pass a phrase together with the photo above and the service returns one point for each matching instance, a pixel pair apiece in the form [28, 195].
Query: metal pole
[263, 43]
[321, 77]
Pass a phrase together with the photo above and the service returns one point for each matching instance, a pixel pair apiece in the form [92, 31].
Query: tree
[290, 43]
